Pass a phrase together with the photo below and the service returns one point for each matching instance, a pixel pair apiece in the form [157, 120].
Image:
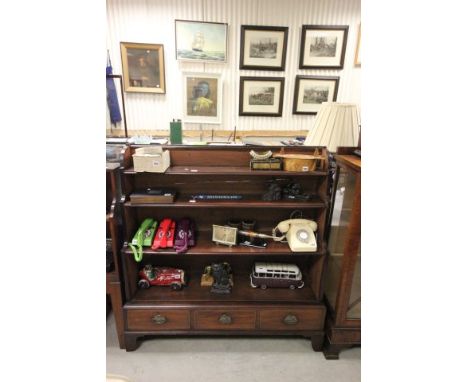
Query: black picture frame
[263, 96]
[299, 108]
[259, 33]
[323, 54]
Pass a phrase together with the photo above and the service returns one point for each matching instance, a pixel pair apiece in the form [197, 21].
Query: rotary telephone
[299, 233]
[164, 237]
[185, 235]
[143, 238]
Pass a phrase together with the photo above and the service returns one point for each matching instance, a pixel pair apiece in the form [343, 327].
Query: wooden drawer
[310, 318]
[224, 319]
[157, 319]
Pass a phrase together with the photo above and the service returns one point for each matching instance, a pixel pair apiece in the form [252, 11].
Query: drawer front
[157, 319]
[224, 319]
[310, 318]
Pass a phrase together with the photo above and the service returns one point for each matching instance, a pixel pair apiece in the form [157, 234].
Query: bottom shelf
[241, 292]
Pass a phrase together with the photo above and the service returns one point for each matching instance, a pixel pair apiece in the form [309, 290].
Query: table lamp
[337, 124]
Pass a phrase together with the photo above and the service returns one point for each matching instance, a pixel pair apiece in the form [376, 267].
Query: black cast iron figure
[273, 193]
[294, 191]
[221, 273]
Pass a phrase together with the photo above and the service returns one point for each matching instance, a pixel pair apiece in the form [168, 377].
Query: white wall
[152, 21]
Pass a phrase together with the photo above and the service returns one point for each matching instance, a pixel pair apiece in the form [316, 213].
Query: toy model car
[163, 276]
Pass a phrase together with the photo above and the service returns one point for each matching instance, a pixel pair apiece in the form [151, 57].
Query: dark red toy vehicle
[164, 276]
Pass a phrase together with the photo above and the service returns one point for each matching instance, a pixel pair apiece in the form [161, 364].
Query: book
[151, 195]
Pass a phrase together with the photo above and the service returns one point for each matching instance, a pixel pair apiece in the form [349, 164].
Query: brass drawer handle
[290, 319]
[159, 320]
[225, 319]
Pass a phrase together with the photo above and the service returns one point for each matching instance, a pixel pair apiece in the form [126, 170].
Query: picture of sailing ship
[201, 41]
[198, 42]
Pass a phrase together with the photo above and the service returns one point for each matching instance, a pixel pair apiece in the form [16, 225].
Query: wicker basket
[151, 159]
[300, 162]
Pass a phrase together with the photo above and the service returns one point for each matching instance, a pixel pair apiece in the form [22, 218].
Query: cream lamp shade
[336, 124]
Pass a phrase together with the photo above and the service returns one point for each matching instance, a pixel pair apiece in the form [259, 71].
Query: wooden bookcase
[195, 310]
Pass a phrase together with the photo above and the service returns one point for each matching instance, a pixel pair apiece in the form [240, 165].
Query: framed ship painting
[201, 41]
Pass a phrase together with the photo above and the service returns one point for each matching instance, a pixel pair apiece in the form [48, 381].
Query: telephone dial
[143, 238]
[299, 233]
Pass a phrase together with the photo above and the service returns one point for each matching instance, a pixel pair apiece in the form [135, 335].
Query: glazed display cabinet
[343, 275]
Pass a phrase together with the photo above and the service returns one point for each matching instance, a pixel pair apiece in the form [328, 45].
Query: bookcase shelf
[314, 202]
[223, 170]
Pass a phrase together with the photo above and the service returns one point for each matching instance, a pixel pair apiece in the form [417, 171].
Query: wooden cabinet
[343, 275]
[246, 310]
[114, 286]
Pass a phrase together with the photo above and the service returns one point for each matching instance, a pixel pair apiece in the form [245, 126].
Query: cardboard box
[151, 159]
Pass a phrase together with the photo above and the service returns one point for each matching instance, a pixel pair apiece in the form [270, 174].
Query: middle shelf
[205, 246]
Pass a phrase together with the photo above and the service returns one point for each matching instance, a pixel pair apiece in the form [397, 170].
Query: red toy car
[149, 275]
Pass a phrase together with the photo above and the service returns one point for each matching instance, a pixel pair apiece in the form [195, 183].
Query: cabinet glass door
[354, 306]
[343, 278]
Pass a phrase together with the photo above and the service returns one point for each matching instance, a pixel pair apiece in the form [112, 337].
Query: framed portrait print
[261, 96]
[263, 47]
[311, 91]
[201, 41]
[143, 67]
[323, 46]
[202, 97]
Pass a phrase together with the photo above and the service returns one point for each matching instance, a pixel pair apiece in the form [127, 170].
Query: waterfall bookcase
[160, 311]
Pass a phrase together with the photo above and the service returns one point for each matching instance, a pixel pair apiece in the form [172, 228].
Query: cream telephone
[299, 233]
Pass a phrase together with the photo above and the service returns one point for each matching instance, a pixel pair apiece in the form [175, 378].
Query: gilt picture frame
[201, 41]
[323, 46]
[263, 47]
[143, 67]
[261, 96]
[357, 55]
[311, 91]
[202, 98]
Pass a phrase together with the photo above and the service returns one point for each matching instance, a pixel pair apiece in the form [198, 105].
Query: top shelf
[224, 170]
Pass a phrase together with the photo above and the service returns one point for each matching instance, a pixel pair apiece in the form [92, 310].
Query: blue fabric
[112, 100]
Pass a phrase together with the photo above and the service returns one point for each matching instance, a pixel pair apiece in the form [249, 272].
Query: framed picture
[143, 67]
[202, 97]
[311, 91]
[261, 96]
[323, 46]
[357, 57]
[263, 47]
[201, 41]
